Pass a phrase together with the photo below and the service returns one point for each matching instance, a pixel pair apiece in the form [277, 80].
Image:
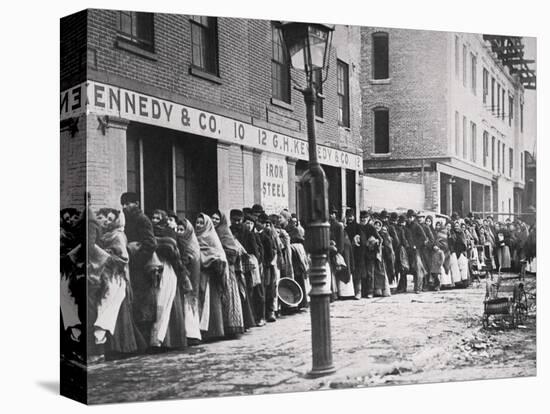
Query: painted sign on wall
[102, 99]
[274, 183]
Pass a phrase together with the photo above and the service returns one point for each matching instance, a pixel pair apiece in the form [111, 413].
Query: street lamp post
[308, 48]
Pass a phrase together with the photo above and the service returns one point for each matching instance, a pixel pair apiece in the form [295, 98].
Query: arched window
[381, 130]
[380, 54]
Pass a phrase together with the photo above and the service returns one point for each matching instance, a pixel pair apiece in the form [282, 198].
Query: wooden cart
[506, 301]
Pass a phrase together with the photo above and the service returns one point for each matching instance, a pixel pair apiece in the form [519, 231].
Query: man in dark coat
[368, 237]
[353, 231]
[427, 251]
[141, 246]
[269, 263]
[417, 242]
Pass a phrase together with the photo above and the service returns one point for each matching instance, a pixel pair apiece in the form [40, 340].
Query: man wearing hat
[417, 242]
[390, 221]
[141, 246]
[269, 262]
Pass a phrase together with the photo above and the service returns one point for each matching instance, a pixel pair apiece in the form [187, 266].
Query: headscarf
[209, 243]
[188, 241]
[226, 237]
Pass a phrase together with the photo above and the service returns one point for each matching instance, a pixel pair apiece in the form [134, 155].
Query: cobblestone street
[406, 338]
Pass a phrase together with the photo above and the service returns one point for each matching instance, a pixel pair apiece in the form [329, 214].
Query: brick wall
[73, 52]
[244, 67]
[73, 166]
[415, 93]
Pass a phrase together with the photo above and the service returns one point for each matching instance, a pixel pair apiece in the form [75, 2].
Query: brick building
[440, 109]
[195, 113]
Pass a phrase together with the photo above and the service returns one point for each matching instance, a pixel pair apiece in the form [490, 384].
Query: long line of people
[132, 284]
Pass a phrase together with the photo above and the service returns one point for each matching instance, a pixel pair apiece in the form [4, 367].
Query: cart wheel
[513, 316]
[485, 321]
[522, 308]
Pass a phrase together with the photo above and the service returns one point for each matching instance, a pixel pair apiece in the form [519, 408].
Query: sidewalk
[406, 338]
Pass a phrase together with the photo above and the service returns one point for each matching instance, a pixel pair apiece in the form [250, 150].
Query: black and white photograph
[253, 206]
[274, 207]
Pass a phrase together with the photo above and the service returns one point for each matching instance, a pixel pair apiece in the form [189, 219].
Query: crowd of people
[132, 284]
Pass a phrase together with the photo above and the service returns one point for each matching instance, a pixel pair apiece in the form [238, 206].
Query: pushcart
[509, 301]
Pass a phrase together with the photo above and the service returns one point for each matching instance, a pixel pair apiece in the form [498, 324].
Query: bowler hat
[263, 218]
[393, 216]
[129, 197]
[257, 209]
[236, 213]
[363, 214]
[411, 213]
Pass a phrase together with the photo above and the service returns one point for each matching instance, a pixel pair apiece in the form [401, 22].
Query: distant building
[440, 109]
[196, 113]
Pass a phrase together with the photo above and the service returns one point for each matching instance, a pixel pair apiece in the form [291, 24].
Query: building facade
[440, 109]
[196, 113]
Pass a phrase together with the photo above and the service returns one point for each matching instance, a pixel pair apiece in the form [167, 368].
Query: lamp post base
[320, 335]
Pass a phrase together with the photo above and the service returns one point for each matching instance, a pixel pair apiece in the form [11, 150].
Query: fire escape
[509, 50]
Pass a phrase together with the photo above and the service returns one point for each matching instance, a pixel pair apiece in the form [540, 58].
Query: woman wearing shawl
[453, 257]
[376, 263]
[300, 260]
[460, 249]
[233, 323]
[169, 326]
[503, 247]
[388, 254]
[126, 338]
[191, 259]
[487, 243]
[442, 266]
[213, 279]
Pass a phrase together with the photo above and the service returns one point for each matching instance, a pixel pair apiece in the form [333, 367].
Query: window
[510, 110]
[464, 138]
[510, 161]
[137, 28]
[381, 131]
[498, 101]
[503, 158]
[473, 154]
[485, 85]
[474, 73]
[521, 154]
[498, 157]
[485, 147]
[493, 95]
[464, 65]
[457, 57]
[280, 69]
[204, 43]
[503, 98]
[457, 133]
[317, 81]
[521, 117]
[380, 55]
[343, 93]
[493, 153]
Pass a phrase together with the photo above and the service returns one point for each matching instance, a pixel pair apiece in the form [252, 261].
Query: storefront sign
[274, 183]
[103, 99]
